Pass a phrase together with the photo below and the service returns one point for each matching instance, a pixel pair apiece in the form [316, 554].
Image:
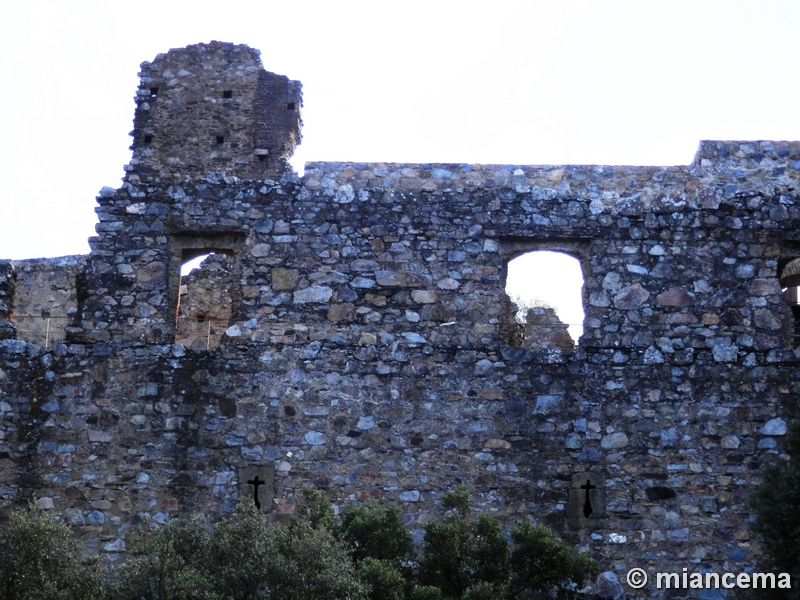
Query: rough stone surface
[608, 586]
[373, 351]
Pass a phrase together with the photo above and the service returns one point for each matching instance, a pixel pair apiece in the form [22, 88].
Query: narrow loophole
[227, 94]
[153, 92]
[148, 138]
[261, 157]
[220, 139]
[290, 106]
[587, 502]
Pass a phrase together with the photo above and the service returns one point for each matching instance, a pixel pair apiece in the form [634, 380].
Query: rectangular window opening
[153, 92]
[220, 139]
[290, 106]
[227, 94]
[205, 301]
[148, 138]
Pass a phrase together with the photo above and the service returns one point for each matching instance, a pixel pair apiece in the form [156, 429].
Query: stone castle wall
[372, 351]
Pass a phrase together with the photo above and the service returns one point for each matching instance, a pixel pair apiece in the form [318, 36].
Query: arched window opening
[545, 289]
[790, 285]
[205, 304]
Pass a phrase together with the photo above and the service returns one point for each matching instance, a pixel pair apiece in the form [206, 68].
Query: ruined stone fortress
[351, 331]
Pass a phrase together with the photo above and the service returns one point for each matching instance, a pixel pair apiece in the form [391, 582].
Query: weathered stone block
[284, 279]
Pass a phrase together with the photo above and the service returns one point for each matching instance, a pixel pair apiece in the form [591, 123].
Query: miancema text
[700, 581]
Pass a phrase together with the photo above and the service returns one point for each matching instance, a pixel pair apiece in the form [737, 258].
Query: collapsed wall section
[212, 107]
[46, 298]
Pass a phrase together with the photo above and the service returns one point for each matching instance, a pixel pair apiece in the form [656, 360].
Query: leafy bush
[243, 558]
[377, 532]
[317, 511]
[310, 564]
[485, 591]
[460, 552]
[242, 554]
[545, 566]
[169, 564]
[776, 503]
[40, 561]
[383, 580]
[369, 556]
[426, 592]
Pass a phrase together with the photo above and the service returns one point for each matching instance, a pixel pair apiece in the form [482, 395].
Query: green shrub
[39, 560]
[244, 557]
[310, 564]
[368, 557]
[168, 564]
[377, 532]
[383, 580]
[545, 566]
[460, 552]
[317, 510]
[242, 554]
[485, 591]
[426, 592]
[776, 503]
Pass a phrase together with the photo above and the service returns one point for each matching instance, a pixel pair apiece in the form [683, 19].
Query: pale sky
[528, 82]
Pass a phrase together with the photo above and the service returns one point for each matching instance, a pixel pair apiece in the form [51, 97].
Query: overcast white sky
[528, 82]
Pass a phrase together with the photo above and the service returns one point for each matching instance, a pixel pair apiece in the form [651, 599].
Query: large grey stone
[630, 297]
[313, 294]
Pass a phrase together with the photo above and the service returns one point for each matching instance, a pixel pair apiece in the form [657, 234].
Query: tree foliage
[317, 511]
[776, 503]
[545, 566]
[369, 555]
[39, 560]
[377, 532]
[244, 557]
[168, 565]
[383, 580]
[461, 552]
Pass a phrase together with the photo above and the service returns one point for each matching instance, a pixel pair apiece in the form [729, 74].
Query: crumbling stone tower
[207, 112]
[213, 107]
[370, 347]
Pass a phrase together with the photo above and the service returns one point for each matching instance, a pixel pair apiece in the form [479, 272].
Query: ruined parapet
[543, 330]
[213, 107]
[46, 298]
[7, 329]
